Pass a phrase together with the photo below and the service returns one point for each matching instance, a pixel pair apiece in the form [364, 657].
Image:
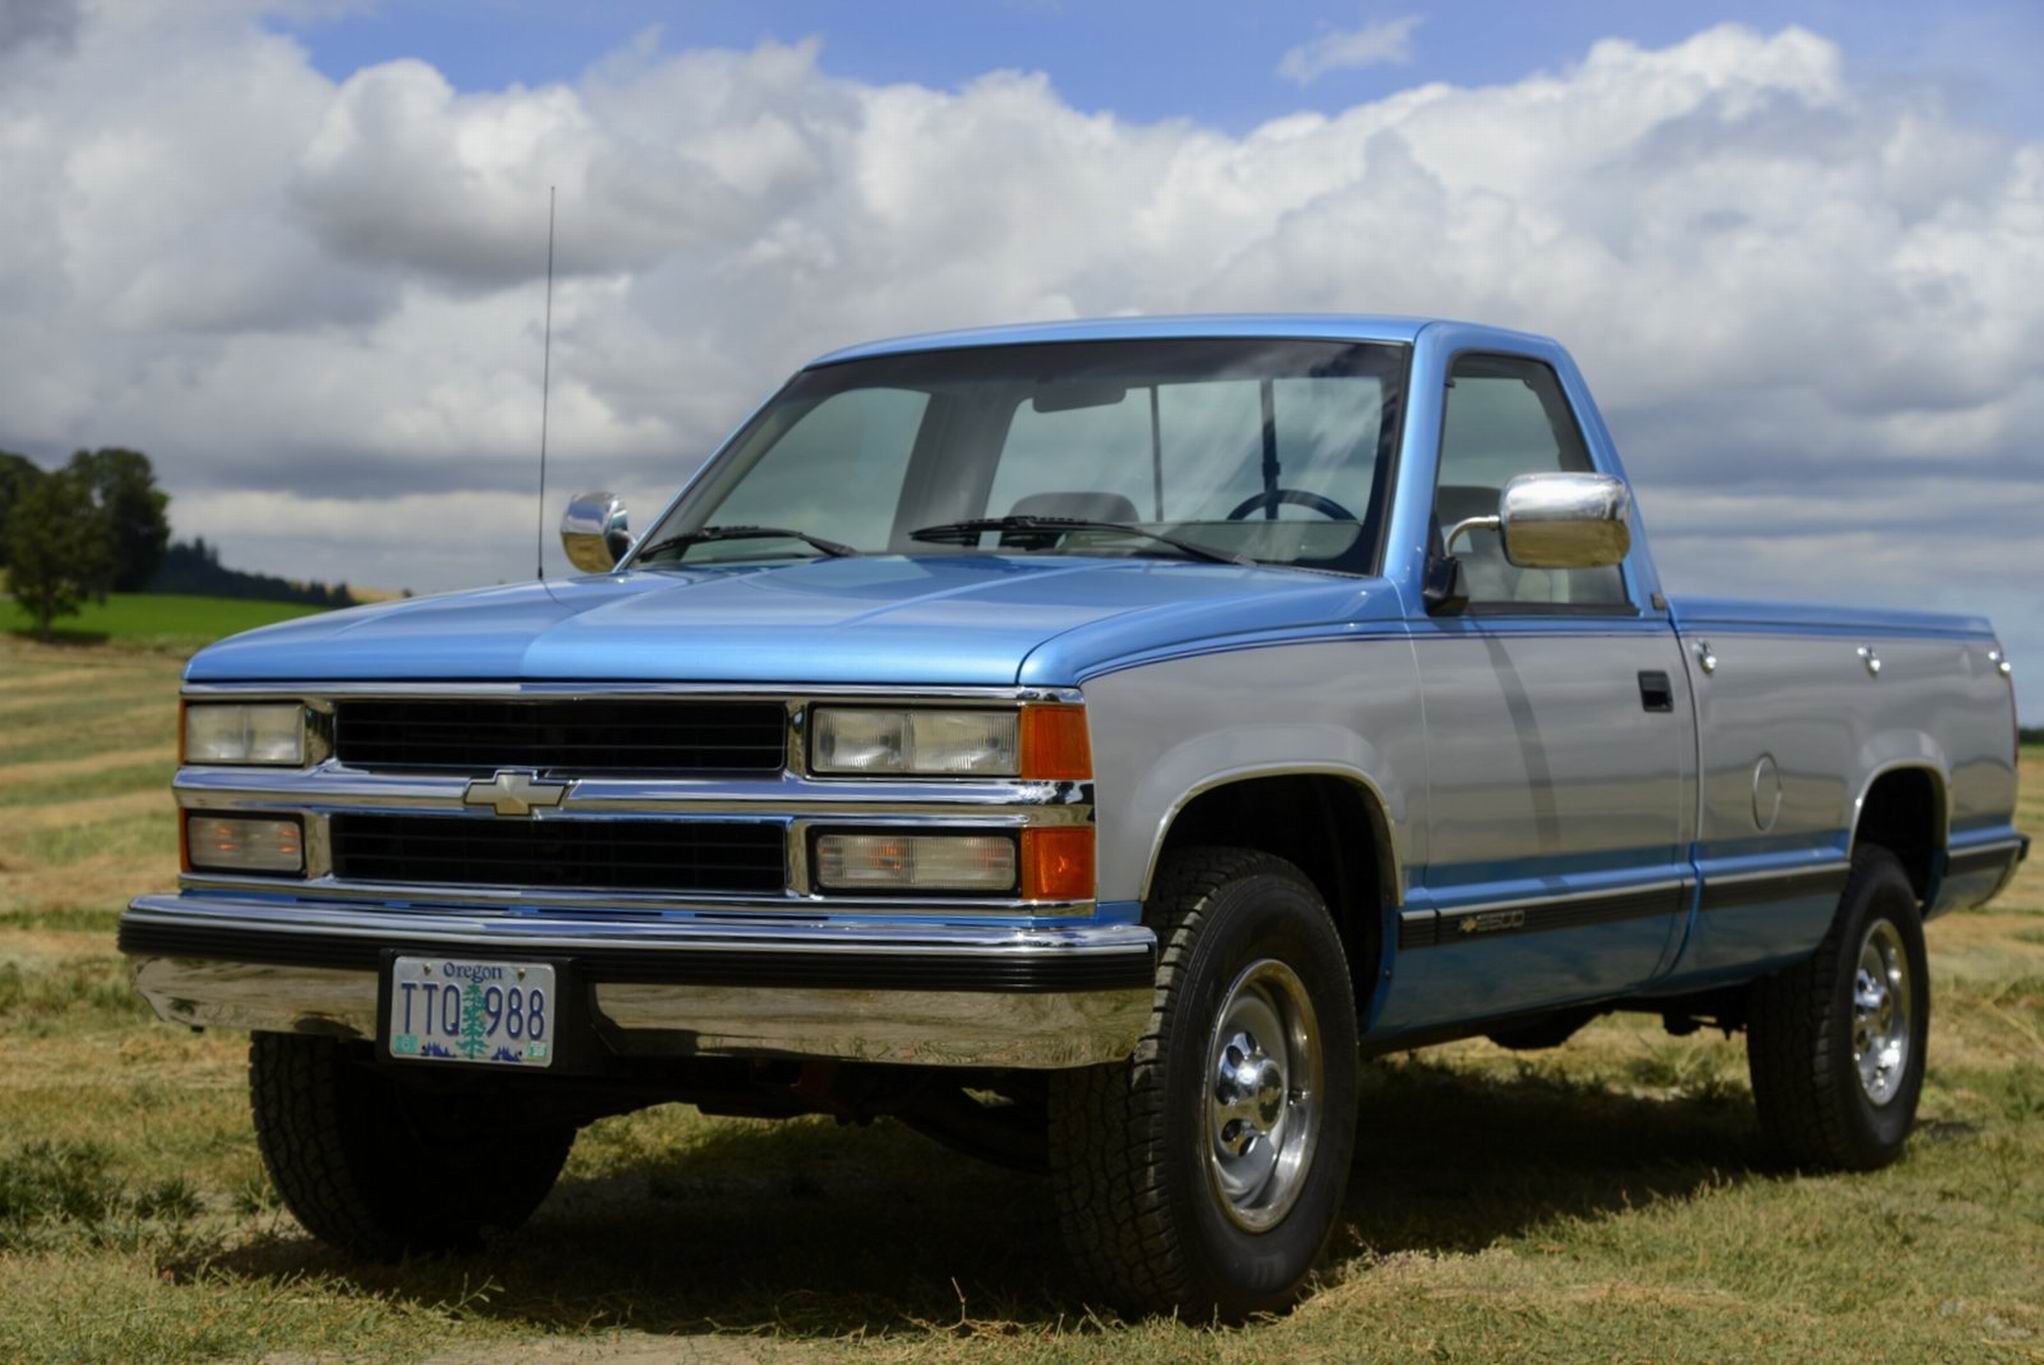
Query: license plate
[451, 1009]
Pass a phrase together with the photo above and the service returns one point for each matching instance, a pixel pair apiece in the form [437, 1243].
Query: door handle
[1656, 693]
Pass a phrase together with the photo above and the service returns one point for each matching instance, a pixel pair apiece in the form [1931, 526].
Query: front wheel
[379, 1170]
[1836, 1044]
[1205, 1175]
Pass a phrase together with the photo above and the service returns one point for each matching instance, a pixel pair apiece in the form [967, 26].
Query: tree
[475, 1036]
[56, 548]
[194, 567]
[17, 472]
[137, 528]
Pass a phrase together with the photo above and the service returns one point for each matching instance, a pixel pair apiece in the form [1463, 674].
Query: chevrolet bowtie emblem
[514, 791]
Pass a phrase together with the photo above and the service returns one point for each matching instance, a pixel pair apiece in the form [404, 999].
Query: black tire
[1129, 1142]
[1800, 1033]
[353, 1153]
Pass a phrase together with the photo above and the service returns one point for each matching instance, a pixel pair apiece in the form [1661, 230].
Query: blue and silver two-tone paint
[1269, 561]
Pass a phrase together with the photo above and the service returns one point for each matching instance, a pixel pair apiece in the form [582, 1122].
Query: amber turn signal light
[1057, 863]
[1055, 747]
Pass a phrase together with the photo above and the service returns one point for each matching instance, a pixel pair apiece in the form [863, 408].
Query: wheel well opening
[1328, 828]
[1903, 812]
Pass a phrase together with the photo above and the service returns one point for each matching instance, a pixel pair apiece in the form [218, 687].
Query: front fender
[1167, 731]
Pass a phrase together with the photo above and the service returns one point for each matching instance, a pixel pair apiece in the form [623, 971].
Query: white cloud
[1374, 44]
[1813, 308]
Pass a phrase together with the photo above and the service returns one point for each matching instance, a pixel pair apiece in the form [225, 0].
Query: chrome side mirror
[593, 532]
[1559, 521]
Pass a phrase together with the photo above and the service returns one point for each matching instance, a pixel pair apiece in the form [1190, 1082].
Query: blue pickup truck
[1085, 743]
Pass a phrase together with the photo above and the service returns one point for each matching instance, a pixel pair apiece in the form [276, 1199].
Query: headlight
[915, 741]
[269, 733]
[984, 863]
[230, 843]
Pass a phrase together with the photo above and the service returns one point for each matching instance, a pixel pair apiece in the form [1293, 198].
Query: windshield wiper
[959, 531]
[709, 533]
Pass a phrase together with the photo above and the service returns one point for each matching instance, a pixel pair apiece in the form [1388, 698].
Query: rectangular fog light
[232, 843]
[982, 863]
[269, 733]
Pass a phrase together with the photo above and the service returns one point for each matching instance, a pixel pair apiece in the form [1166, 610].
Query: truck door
[1561, 746]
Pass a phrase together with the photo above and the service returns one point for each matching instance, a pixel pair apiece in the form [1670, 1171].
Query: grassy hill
[163, 620]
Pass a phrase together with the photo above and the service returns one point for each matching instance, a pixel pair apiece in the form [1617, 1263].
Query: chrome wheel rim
[1264, 1075]
[1881, 1013]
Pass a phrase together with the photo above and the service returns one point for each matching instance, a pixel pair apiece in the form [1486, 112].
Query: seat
[1085, 506]
[1490, 576]
[1493, 578]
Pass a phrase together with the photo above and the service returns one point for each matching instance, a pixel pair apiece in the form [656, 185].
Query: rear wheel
[1836, 1044]
[379, 1170]
[1205, 1175]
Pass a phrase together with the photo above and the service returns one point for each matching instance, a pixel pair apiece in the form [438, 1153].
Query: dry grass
[1608, 1199]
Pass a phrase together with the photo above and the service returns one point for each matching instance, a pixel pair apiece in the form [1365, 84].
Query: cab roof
[1276, 326]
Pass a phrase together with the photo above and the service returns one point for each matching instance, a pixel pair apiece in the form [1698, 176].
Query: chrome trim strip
[1981, 850]
[1442, 926]
[1787, 873]
[318, 839]
[314, 692]
[483, 929]
[1570, 897]
[330, 787]
[795, 848]
[795, 750]
[292, 891]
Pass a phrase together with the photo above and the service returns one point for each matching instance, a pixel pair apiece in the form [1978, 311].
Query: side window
[1506, 416]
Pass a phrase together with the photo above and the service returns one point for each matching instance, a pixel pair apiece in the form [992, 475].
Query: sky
[296, 250]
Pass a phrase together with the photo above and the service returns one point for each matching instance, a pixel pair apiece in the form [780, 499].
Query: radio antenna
[546, 376]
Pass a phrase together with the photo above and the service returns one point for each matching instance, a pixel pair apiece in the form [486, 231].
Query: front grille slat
[578, 735]
[740, 857]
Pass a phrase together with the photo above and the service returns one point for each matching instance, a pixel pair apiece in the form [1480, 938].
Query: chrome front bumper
[915, 993]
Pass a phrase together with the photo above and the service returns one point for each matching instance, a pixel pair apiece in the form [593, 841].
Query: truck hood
[950, 619]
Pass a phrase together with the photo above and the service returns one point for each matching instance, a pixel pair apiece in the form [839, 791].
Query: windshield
[1251, 449]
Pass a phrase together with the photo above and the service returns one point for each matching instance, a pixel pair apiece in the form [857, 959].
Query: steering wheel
[1297, 497]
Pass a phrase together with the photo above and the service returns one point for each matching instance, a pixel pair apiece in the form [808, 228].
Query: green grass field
[1606, 1200]
[158, 620]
